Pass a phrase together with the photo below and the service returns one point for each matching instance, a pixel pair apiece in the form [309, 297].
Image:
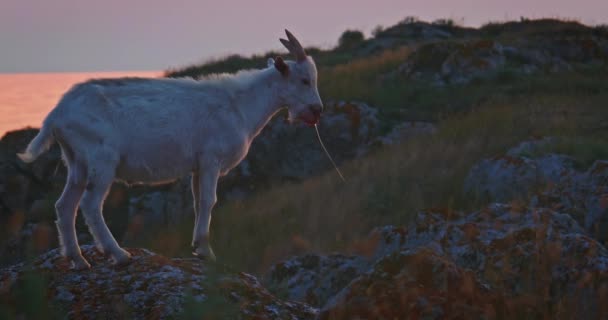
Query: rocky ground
[540, 258]
[461, 62]
[503, 261]
[450, 54]
[150, 287]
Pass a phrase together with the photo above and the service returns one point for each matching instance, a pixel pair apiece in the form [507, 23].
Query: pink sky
[76, 35]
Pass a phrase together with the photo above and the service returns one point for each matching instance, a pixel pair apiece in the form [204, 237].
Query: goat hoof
[80, 263]
[204, 253]
[121, 257]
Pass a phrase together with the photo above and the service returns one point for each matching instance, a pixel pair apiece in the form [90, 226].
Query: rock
[477, 59]
[165, 206]
[584, 195]
[527, 173]
[150, 287]
[24, 183]
[506, 178]
[532, 147]
[313, 278]
[501, 261]
[417, 283]
[460, 62]
[407, 130]
[454, 62]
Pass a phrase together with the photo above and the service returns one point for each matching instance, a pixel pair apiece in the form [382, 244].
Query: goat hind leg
[97, 188]
[66, 208]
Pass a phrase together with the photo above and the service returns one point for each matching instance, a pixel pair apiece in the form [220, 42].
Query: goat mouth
[310, 119]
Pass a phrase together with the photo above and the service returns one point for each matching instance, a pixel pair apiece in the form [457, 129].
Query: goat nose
[316, 109]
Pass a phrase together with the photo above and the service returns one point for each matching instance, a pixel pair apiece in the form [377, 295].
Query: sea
[26, 98]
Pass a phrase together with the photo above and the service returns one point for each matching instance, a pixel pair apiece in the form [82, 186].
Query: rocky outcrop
[406, 131]
[454, 62]
[583, 195]
[549, 180]
[416, 284]
[314, 279]
[20, 185]
[150, 287]
[506, 178]
[501, 261]
[460, 62]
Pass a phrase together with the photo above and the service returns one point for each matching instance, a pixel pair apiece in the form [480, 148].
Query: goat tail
[40, 144]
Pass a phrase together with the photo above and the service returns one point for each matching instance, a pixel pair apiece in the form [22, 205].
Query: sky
[121, 35]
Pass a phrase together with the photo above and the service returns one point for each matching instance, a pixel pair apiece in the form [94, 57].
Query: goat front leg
[207, 185]
[195, 194]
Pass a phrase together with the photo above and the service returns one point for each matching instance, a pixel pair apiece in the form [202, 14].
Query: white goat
[153, 131]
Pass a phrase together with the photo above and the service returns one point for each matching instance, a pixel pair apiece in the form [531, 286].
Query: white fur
[157, 130]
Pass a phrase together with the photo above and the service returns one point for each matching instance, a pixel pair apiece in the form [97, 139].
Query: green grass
[29, 300]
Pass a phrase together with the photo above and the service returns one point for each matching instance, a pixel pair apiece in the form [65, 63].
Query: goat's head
[299, 88]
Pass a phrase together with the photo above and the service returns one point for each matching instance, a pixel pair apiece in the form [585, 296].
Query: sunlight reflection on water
[26, 98]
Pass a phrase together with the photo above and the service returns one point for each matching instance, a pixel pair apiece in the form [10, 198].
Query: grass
[29, 301]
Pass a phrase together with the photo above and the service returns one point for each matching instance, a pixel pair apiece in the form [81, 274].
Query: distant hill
[410, 31]
[403, 62]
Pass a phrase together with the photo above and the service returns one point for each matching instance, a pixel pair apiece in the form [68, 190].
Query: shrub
[350, 39]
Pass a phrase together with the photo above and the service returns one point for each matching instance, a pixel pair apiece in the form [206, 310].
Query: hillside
[478, 153]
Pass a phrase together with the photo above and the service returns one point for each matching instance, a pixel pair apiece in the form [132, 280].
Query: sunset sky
[77, 35]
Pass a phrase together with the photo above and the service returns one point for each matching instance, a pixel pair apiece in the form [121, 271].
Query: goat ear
[281, 66]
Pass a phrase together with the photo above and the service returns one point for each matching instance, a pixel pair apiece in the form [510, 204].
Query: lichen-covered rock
[166, 206]
[20, 184]
[414, 284]
[548, 180]
[584, 195]
[407, 130]
[477, 59]
[150, 287]
[505, 178]
[460, 62]
[501, 261]
[314, 278]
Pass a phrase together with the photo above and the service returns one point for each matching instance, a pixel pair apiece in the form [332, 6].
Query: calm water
[26, 98]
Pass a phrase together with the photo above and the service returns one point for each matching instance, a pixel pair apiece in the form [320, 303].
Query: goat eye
[305, 82]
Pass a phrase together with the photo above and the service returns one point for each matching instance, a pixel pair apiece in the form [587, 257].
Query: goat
[153, 131]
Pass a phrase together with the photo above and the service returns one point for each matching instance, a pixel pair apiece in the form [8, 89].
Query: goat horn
[288, 45]
[298, 50]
